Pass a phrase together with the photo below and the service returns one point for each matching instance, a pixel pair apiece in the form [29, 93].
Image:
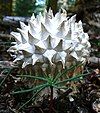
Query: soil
[85, 100]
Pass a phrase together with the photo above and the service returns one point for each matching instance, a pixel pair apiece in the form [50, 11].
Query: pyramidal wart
[49, 39]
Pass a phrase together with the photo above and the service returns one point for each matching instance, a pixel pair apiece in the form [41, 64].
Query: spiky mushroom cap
[49, 38]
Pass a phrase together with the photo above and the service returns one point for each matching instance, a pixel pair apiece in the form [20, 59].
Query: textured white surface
[50, 38]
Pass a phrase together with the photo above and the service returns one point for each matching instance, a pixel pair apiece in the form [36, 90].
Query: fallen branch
[94, 62]
[6, 36]
[9, 24]
[7, 64]
[97, 24]
[15, 19]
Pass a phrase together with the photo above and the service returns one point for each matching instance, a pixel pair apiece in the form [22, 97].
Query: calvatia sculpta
[51, 39]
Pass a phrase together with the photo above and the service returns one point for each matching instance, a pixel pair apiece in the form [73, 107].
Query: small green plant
[51, 82]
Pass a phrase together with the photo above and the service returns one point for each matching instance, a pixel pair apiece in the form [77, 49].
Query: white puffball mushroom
[49, 39]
